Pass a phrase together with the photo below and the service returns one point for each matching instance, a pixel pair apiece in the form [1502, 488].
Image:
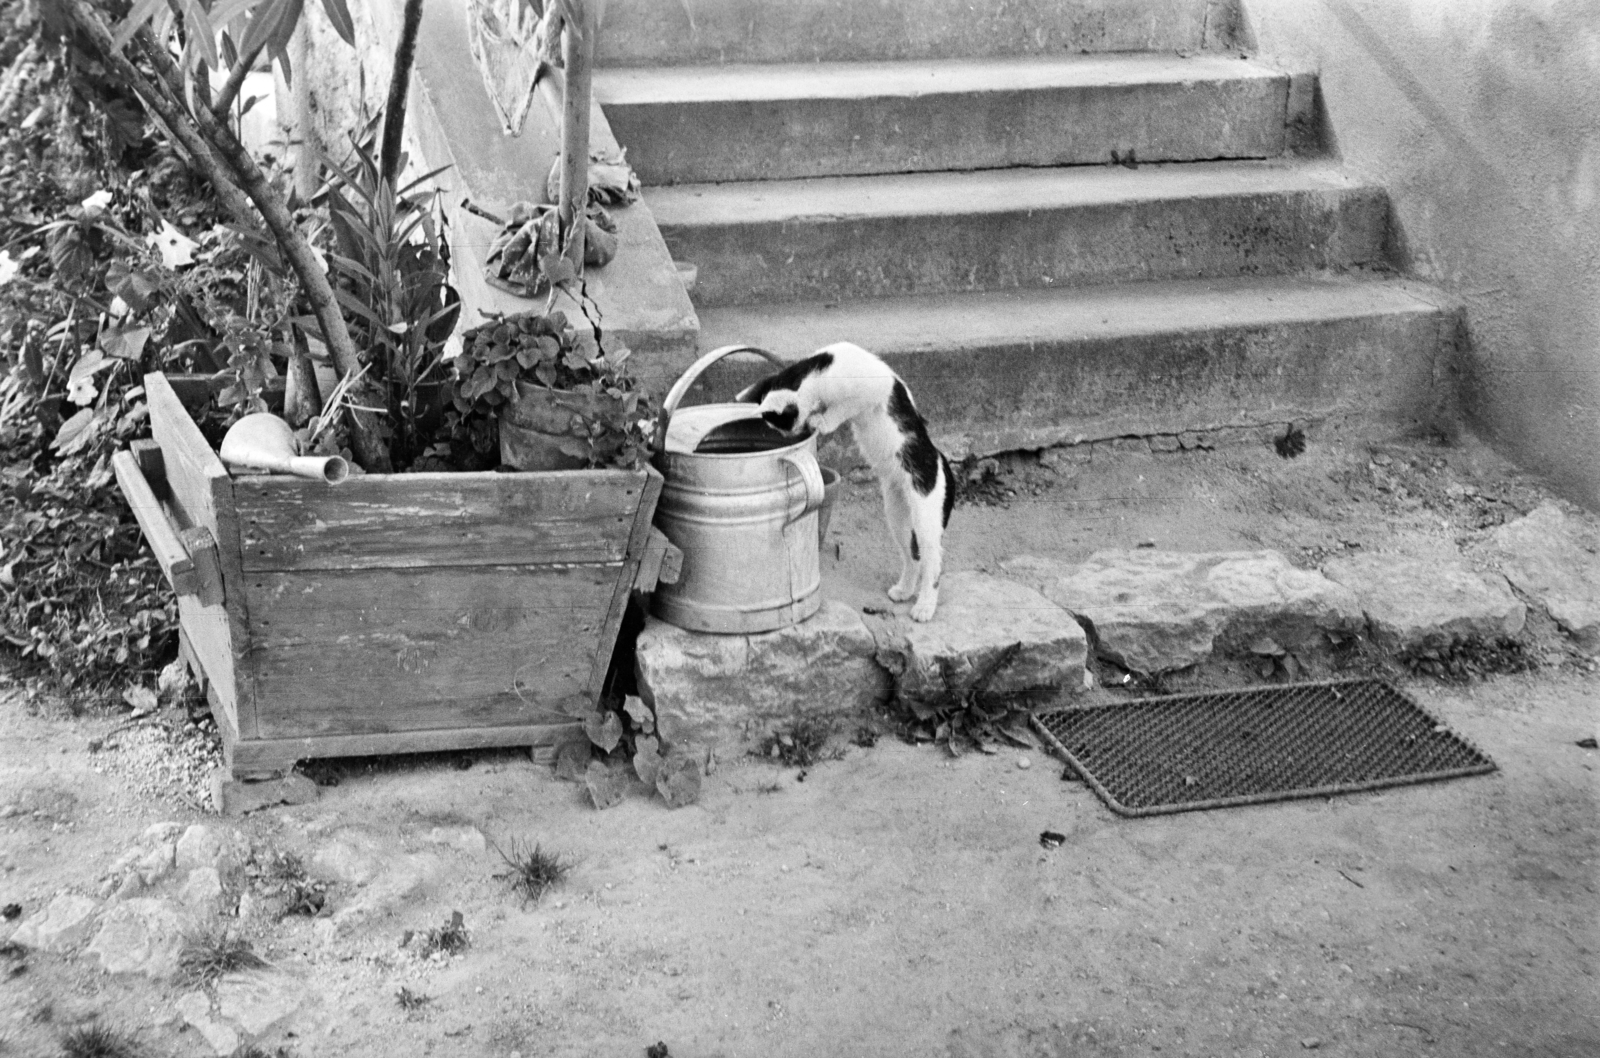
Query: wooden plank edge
[255, 757]
[649, 493]
[171, 556]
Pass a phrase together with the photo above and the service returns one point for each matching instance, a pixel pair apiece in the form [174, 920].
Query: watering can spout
[263, 441]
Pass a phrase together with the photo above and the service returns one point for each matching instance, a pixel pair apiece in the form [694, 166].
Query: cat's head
[787, 402]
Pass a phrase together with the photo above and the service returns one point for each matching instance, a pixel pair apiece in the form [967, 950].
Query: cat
[843, 383]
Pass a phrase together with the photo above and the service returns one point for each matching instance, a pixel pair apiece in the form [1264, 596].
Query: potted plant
[555, 398]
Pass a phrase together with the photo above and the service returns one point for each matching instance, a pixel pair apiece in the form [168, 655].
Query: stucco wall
[1482, 118]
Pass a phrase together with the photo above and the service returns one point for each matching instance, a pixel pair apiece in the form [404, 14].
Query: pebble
[1024, 763]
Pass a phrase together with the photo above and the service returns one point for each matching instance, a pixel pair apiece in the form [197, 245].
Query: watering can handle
[681, 387]
[811, 475]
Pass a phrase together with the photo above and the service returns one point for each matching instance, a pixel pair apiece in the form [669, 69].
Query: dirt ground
[895, 901]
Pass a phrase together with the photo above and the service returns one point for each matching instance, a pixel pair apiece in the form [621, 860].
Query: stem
[577, 50]
[394, 111]
[230, 88]
[220, 158]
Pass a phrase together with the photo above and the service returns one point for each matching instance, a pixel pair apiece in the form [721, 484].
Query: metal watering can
[741, 501]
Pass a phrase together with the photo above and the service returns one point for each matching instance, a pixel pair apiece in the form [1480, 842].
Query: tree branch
[222, 159]
[230, 88]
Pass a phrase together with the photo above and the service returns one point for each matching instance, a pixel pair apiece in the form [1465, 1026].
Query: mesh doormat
[1191, 751]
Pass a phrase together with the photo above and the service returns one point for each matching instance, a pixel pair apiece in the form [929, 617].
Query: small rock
[467, 839]
[202, 891]
[195, 1009]
[260, 999]
[141, 936]
[1311, 1043]
[66, 922]
[158, 862]
[1024, 763]
[230, 797]
[204, 846]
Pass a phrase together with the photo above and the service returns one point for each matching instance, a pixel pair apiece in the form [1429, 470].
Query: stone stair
[936, 181]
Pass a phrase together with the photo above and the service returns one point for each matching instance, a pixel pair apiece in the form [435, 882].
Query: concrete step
[751, 122]
[692, 32]
[997, 372]
[924, 233]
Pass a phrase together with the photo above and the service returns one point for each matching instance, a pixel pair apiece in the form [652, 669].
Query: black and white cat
[843, 383]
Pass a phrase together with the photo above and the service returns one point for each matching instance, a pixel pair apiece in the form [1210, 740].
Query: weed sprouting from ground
[410, 1001]
[449, 939]
[801, 745]
[207, 956]
[282, 876]
[534, 870]
[97, 1041]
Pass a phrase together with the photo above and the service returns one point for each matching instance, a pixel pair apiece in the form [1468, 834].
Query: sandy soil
[897, 902]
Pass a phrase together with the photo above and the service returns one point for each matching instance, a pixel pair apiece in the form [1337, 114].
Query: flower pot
[536, 429]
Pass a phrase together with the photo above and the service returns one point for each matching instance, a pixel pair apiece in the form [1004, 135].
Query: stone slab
[648, 32]
[979, 617]
[195, 1009]
[1415, 600]
[1157, 611]
[258, 1000]
[1556, 561]
[230, 797]
[786, 121]
[1000, 371]
[141, 936]
[904, 234]
[65, 922]
[723, 688]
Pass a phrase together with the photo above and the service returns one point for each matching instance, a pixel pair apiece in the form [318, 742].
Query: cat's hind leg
[927, 523]
[897, 512]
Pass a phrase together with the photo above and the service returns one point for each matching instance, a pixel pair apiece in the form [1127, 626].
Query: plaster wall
[1482, 119]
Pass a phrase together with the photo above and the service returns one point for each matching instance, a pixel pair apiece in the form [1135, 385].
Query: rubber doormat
[1185, 752]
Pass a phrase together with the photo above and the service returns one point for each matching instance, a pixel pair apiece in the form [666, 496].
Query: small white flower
[8, 267]
[176, 248]
[97, 202]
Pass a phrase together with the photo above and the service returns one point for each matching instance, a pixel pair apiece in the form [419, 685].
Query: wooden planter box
[391, 613]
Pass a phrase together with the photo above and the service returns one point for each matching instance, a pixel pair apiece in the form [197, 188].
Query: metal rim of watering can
[688, 378]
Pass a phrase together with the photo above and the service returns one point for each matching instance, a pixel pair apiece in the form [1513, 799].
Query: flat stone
[195, 1009]
[206, 846]
[230, 797]
[714, 688]
[352, 857]
[65, 923]
[979, 617]
[202, 890]
[1156, 611]
[141, 936]
[1411, 600]
[260, 999]
[1556, 561]
[467, 839]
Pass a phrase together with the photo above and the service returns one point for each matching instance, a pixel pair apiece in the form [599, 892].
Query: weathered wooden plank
[638, 537]
[165, 544]
[202, 550]
[148, 455]
[260, 757]
[366, 651]
[200, 495]
[383, 521]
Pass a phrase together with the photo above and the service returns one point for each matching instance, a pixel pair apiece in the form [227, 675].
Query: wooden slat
[637, 539]
[202, 549]
[159, 533]
[388, 521]
[262, 757]
[148, 455]
[342, 652]
[200, 495]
